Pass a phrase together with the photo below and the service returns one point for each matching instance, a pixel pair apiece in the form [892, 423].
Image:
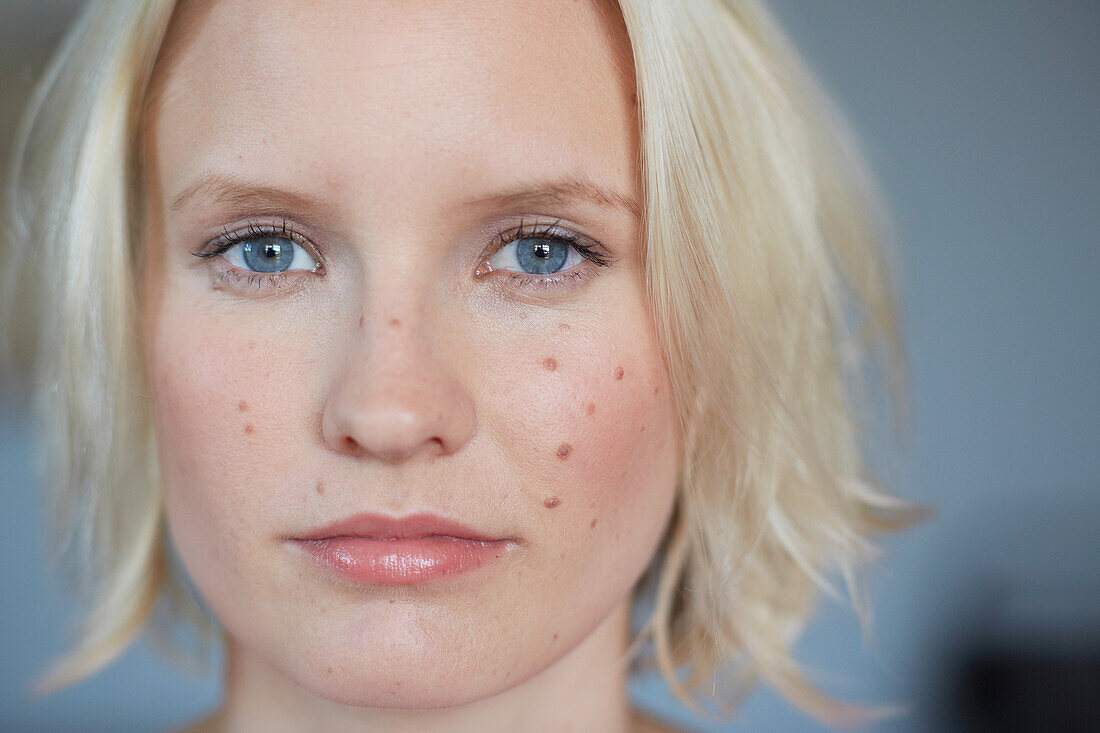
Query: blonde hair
[764, 236]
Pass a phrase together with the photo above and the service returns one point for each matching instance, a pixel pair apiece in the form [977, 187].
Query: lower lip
[402, 561]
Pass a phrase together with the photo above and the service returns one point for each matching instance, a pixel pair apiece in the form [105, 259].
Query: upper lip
[413, 526]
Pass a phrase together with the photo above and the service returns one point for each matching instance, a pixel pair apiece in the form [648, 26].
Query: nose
[399, 393]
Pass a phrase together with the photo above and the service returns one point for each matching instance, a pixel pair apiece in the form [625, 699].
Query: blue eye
[537, 252]
[263, 251]
[535, 255]
[269, 254]
[543, 258]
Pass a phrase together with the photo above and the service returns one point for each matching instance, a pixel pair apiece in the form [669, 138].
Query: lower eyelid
[247, 280]
[534, 283]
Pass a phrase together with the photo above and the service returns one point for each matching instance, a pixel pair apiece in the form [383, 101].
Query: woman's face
[352, 351]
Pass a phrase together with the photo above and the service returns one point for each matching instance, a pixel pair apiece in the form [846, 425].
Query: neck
[584, 690]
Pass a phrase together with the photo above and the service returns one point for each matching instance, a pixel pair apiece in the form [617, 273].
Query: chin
[393, 687]
[392, 663]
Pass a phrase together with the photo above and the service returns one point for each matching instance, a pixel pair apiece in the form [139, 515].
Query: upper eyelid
[512, 234]
[555, 231]
[260, 230]
[252, 229]
[503, 235]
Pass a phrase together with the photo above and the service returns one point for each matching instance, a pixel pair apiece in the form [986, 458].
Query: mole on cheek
[591, 408]
[564, 450]
[550, 363]
[618, 372]
[551, 502]
[321, 487]
[592, 524]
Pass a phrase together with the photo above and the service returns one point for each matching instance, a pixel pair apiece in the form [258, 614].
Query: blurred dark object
[1003, 690]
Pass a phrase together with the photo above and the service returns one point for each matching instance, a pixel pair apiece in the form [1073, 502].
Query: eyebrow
[560, 192]
[238, 192]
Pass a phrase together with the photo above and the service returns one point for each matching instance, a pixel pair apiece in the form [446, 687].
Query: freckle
[398, 684]
[361, 321]
[555, 635]
[618, 372]
[656, 389]
[622, 475]
[592, 523]
[642, 430]
[251, 345]
[242, 405]
[551, 502]
[564, 450]
[330, 670]
[591, 407]
[248, 428]
[550, 363]
[321, 487]
[395, 321]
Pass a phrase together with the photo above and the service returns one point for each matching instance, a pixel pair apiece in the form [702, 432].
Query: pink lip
[376, 549]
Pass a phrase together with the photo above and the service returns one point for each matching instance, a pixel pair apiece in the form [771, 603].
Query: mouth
[382, 527]
[375, 549]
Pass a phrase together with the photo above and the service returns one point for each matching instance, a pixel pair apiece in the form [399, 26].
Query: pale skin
[388, 369]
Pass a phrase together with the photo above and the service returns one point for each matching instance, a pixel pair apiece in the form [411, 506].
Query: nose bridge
[399, 392]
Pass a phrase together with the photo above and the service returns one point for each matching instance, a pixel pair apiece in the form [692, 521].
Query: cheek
[223, 440]
[586, 420]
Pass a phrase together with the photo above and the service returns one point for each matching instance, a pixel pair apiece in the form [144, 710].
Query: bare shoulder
[639, 723]
[642, 723]
[209, 724]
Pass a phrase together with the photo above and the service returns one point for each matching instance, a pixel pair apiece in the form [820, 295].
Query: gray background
[980, 118]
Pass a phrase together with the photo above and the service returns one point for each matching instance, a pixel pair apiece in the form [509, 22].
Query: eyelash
[520, 280]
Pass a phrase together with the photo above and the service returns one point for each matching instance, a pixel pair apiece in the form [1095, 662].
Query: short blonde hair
[764, 238]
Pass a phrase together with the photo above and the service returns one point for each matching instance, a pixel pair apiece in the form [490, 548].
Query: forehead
[388, 94]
